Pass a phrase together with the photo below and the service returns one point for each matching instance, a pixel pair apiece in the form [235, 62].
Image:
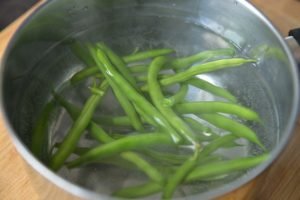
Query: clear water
[126, 35]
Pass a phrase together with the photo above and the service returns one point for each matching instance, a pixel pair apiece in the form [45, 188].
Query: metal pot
[38, 59]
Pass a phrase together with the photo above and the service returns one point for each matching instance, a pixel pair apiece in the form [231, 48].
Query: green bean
[191, 163]
[139, 191]
[145, 117]
[135, 159]
[210, 158]
[224, 167]
[144, 78]
[232, 126]
[216, 144]
[96, 131]
[84, 73]
[76, 130]
[103, 120]
[138, 68]
[94, 71]
[206, 86]
[100, 135]
[125, 103]
[39, 144]
[138, 100]
[116, 161]
[164, 157]
[118, 63]
[72, 110]
[127, 107]
[80, 51]
[204, 107]
[204, 68]
[147, 54]
[180, 175]
[143, 165]
[204, 133]
[158, 97]
[135, 142]
[78, 150]
[113, 121]
[177, 97]
[178, 159]
[180, 63]
[199, 173]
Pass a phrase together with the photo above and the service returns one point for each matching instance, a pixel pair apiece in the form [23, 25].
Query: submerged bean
[144, 55]
[74, 134]
[203, 107]
[205, 68]
[232, 126]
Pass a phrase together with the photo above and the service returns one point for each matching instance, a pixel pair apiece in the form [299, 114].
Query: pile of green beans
[171, 140]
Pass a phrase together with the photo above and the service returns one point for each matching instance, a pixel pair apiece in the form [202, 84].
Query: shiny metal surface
[39, 59]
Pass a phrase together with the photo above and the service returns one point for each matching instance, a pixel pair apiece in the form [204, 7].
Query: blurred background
[12, 9]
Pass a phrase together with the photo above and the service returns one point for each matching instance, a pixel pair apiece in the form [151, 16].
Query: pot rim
[81, 192]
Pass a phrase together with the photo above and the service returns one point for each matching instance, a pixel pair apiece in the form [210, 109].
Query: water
[126, 35]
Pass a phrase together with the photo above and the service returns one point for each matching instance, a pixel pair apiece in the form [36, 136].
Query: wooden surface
[280, 182]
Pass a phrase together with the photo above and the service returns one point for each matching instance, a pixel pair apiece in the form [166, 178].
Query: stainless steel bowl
[38, 59]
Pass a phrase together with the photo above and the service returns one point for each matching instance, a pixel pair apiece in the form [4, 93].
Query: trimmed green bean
[174, 159]
[94, 71]
[191, 163]
[223, 167]
[135, 142]
[135, 159]
[205, 68]
[180, 63]
[139, 100]
[74, 111]
[78, 150]
[158, 100]
[100, 135]
[127, 107]
[216, 144]
[131, 157]
[180, 175]
[76, 130]
[138, 68]
[84, 73]
[143, 165]
[139, 191]
[208, 87]
[146, 117]
[116, 161]
[113, 121]
[96, 131]
[204, 133]
[144, 55]
[204, 107]
[202, 172]
[118, 63]
[81, 52]
[232, 126]
[124, 102]
[144, 78]
[39, 144]
[178, 96]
